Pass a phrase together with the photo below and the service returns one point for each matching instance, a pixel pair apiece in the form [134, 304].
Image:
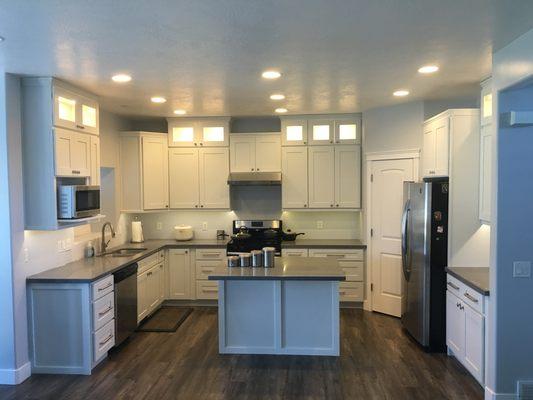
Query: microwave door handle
[405, 238]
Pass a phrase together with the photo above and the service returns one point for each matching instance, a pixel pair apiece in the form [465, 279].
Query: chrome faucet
[104, 244]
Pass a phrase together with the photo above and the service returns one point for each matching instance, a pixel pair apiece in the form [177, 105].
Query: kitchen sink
[125, 252]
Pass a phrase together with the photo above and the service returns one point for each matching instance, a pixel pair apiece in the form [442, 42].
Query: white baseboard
[366, 305]
[15, 376]
[490, 395]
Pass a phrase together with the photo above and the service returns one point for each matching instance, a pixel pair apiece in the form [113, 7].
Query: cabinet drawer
[148, 262]
[103, 340]
[206, 290]
[103, 310]
[466, 294]
[102, 287]
[351, 254]
[351, 291]
[353, 270]
[210, 254]
[205, 268]
[295, 252]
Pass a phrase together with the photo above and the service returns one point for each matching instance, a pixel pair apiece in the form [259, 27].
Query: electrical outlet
[26, 255]
[319, 224]
[522, 269]
[159, 225]
[204, 226]
[68, 244]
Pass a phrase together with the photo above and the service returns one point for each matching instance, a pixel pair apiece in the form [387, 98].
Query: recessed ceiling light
[158, 99]
[401, 93]
[281, 110]
[277, 96]
[180, 112]
[428, 69]
[2, 38]
[121, 78]
[271, 74]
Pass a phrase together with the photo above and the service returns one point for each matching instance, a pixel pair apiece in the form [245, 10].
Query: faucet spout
[104, 244]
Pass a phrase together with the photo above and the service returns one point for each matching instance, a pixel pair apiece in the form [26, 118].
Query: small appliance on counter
[137, 232]
[78, 201]
[183, 232]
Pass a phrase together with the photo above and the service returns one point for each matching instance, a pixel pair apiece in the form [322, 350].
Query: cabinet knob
[202, 206]
[201, 144]
[331, 141]
[252, 169]
[305, 142]
[196, 206]
[337, 205]
[186, 251]
[257, 169]
[166, 206]
[305, 205]
[331, 205]
[196, 144]
[80, 127]
[75, 172]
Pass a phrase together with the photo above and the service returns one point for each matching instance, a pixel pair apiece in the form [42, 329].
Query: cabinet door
[95, 160]
[80, 154]
[321, 131]
[155, 172]
[321, 177]
[474, 355]
[293, 132]
[182, 134]
[214, 134]
[131, 173]
[348, 176]
[455, 326]
[268, 153]
[485, 178]
[62, 154]
[428, 152]
[347, 131]
[242, 153]
[214, 170]
[162, 281]
[179, 268]
[294, 176]
[154, 277]
[442, 146]
[486, 102]
[142, 296]
[65, 108]
[183, 178]
[88, 115]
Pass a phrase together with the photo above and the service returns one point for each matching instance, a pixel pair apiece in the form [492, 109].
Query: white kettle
[183, 232]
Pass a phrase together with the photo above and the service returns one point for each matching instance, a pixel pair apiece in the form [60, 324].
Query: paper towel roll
[137, 232]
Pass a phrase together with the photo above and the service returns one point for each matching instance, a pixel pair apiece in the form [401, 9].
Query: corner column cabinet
[465, 326]
[59, 142]
[144, 162]
[255, 152]
[198, 132]
[485, 152]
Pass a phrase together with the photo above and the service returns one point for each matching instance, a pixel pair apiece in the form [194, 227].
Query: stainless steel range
[251, 235]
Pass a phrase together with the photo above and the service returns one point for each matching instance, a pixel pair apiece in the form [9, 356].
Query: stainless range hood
[254, 179]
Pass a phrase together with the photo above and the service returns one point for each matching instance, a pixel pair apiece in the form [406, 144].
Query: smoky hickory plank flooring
[378, 361]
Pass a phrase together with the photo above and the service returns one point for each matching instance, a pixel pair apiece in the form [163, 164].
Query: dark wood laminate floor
[377, 362]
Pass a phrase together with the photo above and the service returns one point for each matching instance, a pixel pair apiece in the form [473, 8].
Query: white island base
[278, 316]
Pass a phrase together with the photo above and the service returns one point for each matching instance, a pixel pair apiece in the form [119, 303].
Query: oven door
[86, 201]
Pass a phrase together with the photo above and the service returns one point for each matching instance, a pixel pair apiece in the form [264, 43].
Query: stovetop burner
[260, 233]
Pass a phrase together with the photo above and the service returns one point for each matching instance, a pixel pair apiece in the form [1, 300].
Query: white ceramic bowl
[183, 232]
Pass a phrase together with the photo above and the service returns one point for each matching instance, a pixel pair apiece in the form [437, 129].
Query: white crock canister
[183, 232]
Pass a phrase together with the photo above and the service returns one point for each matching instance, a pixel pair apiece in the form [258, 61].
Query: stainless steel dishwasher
[125, 302]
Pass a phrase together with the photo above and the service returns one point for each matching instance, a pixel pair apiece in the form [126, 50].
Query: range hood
[254, 179]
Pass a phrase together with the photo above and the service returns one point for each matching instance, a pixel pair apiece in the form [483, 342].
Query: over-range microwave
[78, 201]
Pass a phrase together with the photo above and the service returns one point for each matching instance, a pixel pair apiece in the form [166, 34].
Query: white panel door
[294, 176]
[80, 154]
[242, 153]
[184, 188]
[442, 146]
[321, 176]
[348, 176]
[428, 152]
[95, 160]
[179, 273]
[474, 342]
[155, 172]
[268, 153]
[214, 171]
[387, 205]
[455, 326]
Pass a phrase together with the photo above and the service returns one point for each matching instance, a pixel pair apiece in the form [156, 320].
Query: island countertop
[285, 268]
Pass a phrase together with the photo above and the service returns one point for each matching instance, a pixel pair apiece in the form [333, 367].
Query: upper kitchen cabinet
[347, 130]
[198, 132]
[259, 152]
[73, 110]
[72, 153]
[321, 131]
[144, 165]
[485, 152]
[294, 189]
[293, 131]
[486, 102]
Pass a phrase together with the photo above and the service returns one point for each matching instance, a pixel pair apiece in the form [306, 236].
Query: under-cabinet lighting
[158, 99]
[180, 112]
[428, 69]
[271, 74]
[281, 110]
[277, 96]
[401, 93]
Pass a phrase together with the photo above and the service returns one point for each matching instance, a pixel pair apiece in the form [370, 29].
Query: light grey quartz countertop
[324, 244]
[285, 268]
[476, 278]
[94, 268]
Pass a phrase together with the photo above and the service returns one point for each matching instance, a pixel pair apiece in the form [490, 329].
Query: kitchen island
[292, 308]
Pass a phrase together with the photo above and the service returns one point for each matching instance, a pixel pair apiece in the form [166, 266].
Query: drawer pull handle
[210, 290]
[470, 297]
[211, 254]
[80, 127]
[450, 284]
[106, 340]
[76, 172]
[102, 313]
[105, 287]
[342, 292]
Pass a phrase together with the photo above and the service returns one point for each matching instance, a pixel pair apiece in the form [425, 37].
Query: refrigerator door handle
[405, 239]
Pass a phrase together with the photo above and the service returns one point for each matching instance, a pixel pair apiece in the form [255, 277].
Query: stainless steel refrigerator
[424, 258]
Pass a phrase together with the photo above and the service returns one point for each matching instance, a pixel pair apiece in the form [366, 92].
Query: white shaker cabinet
[214, 171]
[198, 132]
[74, 111]
[321, 177]
[72, 153]
[347, 130]
[260, 152]
[348, 176]
[294, 175]
[179, 274]
[242, 153]
[321, 131]
[183, 178]
[293, 131]
[436, 147]
[155, 172]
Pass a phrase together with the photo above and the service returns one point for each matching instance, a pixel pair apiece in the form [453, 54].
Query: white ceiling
[206, 56]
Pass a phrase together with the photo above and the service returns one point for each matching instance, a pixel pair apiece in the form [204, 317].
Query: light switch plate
[522, 269]
[159, 225]
[319, 224]
[204, 226]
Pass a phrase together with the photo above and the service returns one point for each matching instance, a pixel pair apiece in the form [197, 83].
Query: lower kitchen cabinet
[206, 260]
[465, 327]
[150, 284]
[295, 252]
[179, 274]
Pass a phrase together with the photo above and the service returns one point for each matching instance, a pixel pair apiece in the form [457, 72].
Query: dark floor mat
[166, 319]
